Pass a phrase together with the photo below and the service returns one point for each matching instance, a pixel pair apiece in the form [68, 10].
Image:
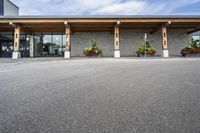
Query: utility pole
[145, 45]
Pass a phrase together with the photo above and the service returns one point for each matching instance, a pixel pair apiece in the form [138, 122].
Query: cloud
[130, 7]
[103, 7]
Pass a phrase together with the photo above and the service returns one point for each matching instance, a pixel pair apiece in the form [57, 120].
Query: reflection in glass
[7, 41]
[48, 44]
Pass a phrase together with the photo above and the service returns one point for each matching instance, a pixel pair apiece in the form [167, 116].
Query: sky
[108, 7]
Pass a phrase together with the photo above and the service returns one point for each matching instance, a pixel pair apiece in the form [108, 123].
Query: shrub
[142, 48]
[93, 49]
[191, 47]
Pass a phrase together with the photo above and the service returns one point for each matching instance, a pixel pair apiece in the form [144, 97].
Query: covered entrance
[66, 36]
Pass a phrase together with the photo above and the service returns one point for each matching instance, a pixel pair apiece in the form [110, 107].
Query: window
[49, 43]
[196, 37]
[1, 7]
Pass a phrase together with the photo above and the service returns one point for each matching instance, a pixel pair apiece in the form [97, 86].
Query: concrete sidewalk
[37, 59]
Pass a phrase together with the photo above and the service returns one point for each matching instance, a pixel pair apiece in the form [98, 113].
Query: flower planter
[193, 52]
[92, 50]
[143, 55]
[145, 47]
[91, 54]
[192, 49]
[148, 53]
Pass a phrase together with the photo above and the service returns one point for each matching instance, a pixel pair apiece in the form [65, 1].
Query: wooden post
[116, 42]
[16, 38]
[67, 31]
[68, 45]
[16, 53]
[164, 42]
[116, 37]
[164, 37]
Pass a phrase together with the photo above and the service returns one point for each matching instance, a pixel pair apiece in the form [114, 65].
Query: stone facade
[129, 42]
[80, 40]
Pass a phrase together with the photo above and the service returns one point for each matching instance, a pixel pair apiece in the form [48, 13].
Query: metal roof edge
[102, 16]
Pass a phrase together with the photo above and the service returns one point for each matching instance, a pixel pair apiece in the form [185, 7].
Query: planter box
[193, 55]
[147, 55]
[94, 55]
[193, 52]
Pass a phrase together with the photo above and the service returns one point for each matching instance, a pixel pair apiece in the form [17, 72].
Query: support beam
[194, 30]
[159, 27]
[154, 30]
[68, 45]
[16, 54]
[164, 42]
[116, 42]
[12, 24]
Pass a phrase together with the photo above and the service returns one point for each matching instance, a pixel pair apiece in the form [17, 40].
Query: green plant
[191, 47]
[191, 43]
[93, 49]
[145, 49]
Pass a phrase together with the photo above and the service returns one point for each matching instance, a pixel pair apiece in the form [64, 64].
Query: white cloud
[130, 7]
[100, 7]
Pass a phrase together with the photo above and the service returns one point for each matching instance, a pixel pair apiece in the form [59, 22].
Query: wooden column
[67, 54]
[17, 38]
[116, 37]
[164, 37]
[67, 32]
[164, 42]
[116, 42]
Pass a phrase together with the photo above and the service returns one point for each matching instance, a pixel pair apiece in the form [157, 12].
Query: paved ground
[100, 96]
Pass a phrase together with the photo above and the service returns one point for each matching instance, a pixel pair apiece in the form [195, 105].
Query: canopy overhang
[100, 23]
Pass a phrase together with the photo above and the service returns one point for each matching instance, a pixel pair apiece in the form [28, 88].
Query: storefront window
[24, 44]
[58, 43]
[6, 43]
[48, 44]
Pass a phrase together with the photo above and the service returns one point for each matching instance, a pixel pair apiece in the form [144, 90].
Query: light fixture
[65, 23]
[27, 38]
[10, 23]
[118, 22]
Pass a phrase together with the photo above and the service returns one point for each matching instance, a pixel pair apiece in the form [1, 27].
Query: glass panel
[1, 7]
[6, 43]
[24, 45]
[48, 44]
[37, 44]
[57, 42]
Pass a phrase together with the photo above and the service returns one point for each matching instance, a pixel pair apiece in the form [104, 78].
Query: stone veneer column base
[67, 55]
[165, 53]
[16, 55]
[117, 54]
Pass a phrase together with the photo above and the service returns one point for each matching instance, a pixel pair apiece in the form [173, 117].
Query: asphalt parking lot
[100, 96]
